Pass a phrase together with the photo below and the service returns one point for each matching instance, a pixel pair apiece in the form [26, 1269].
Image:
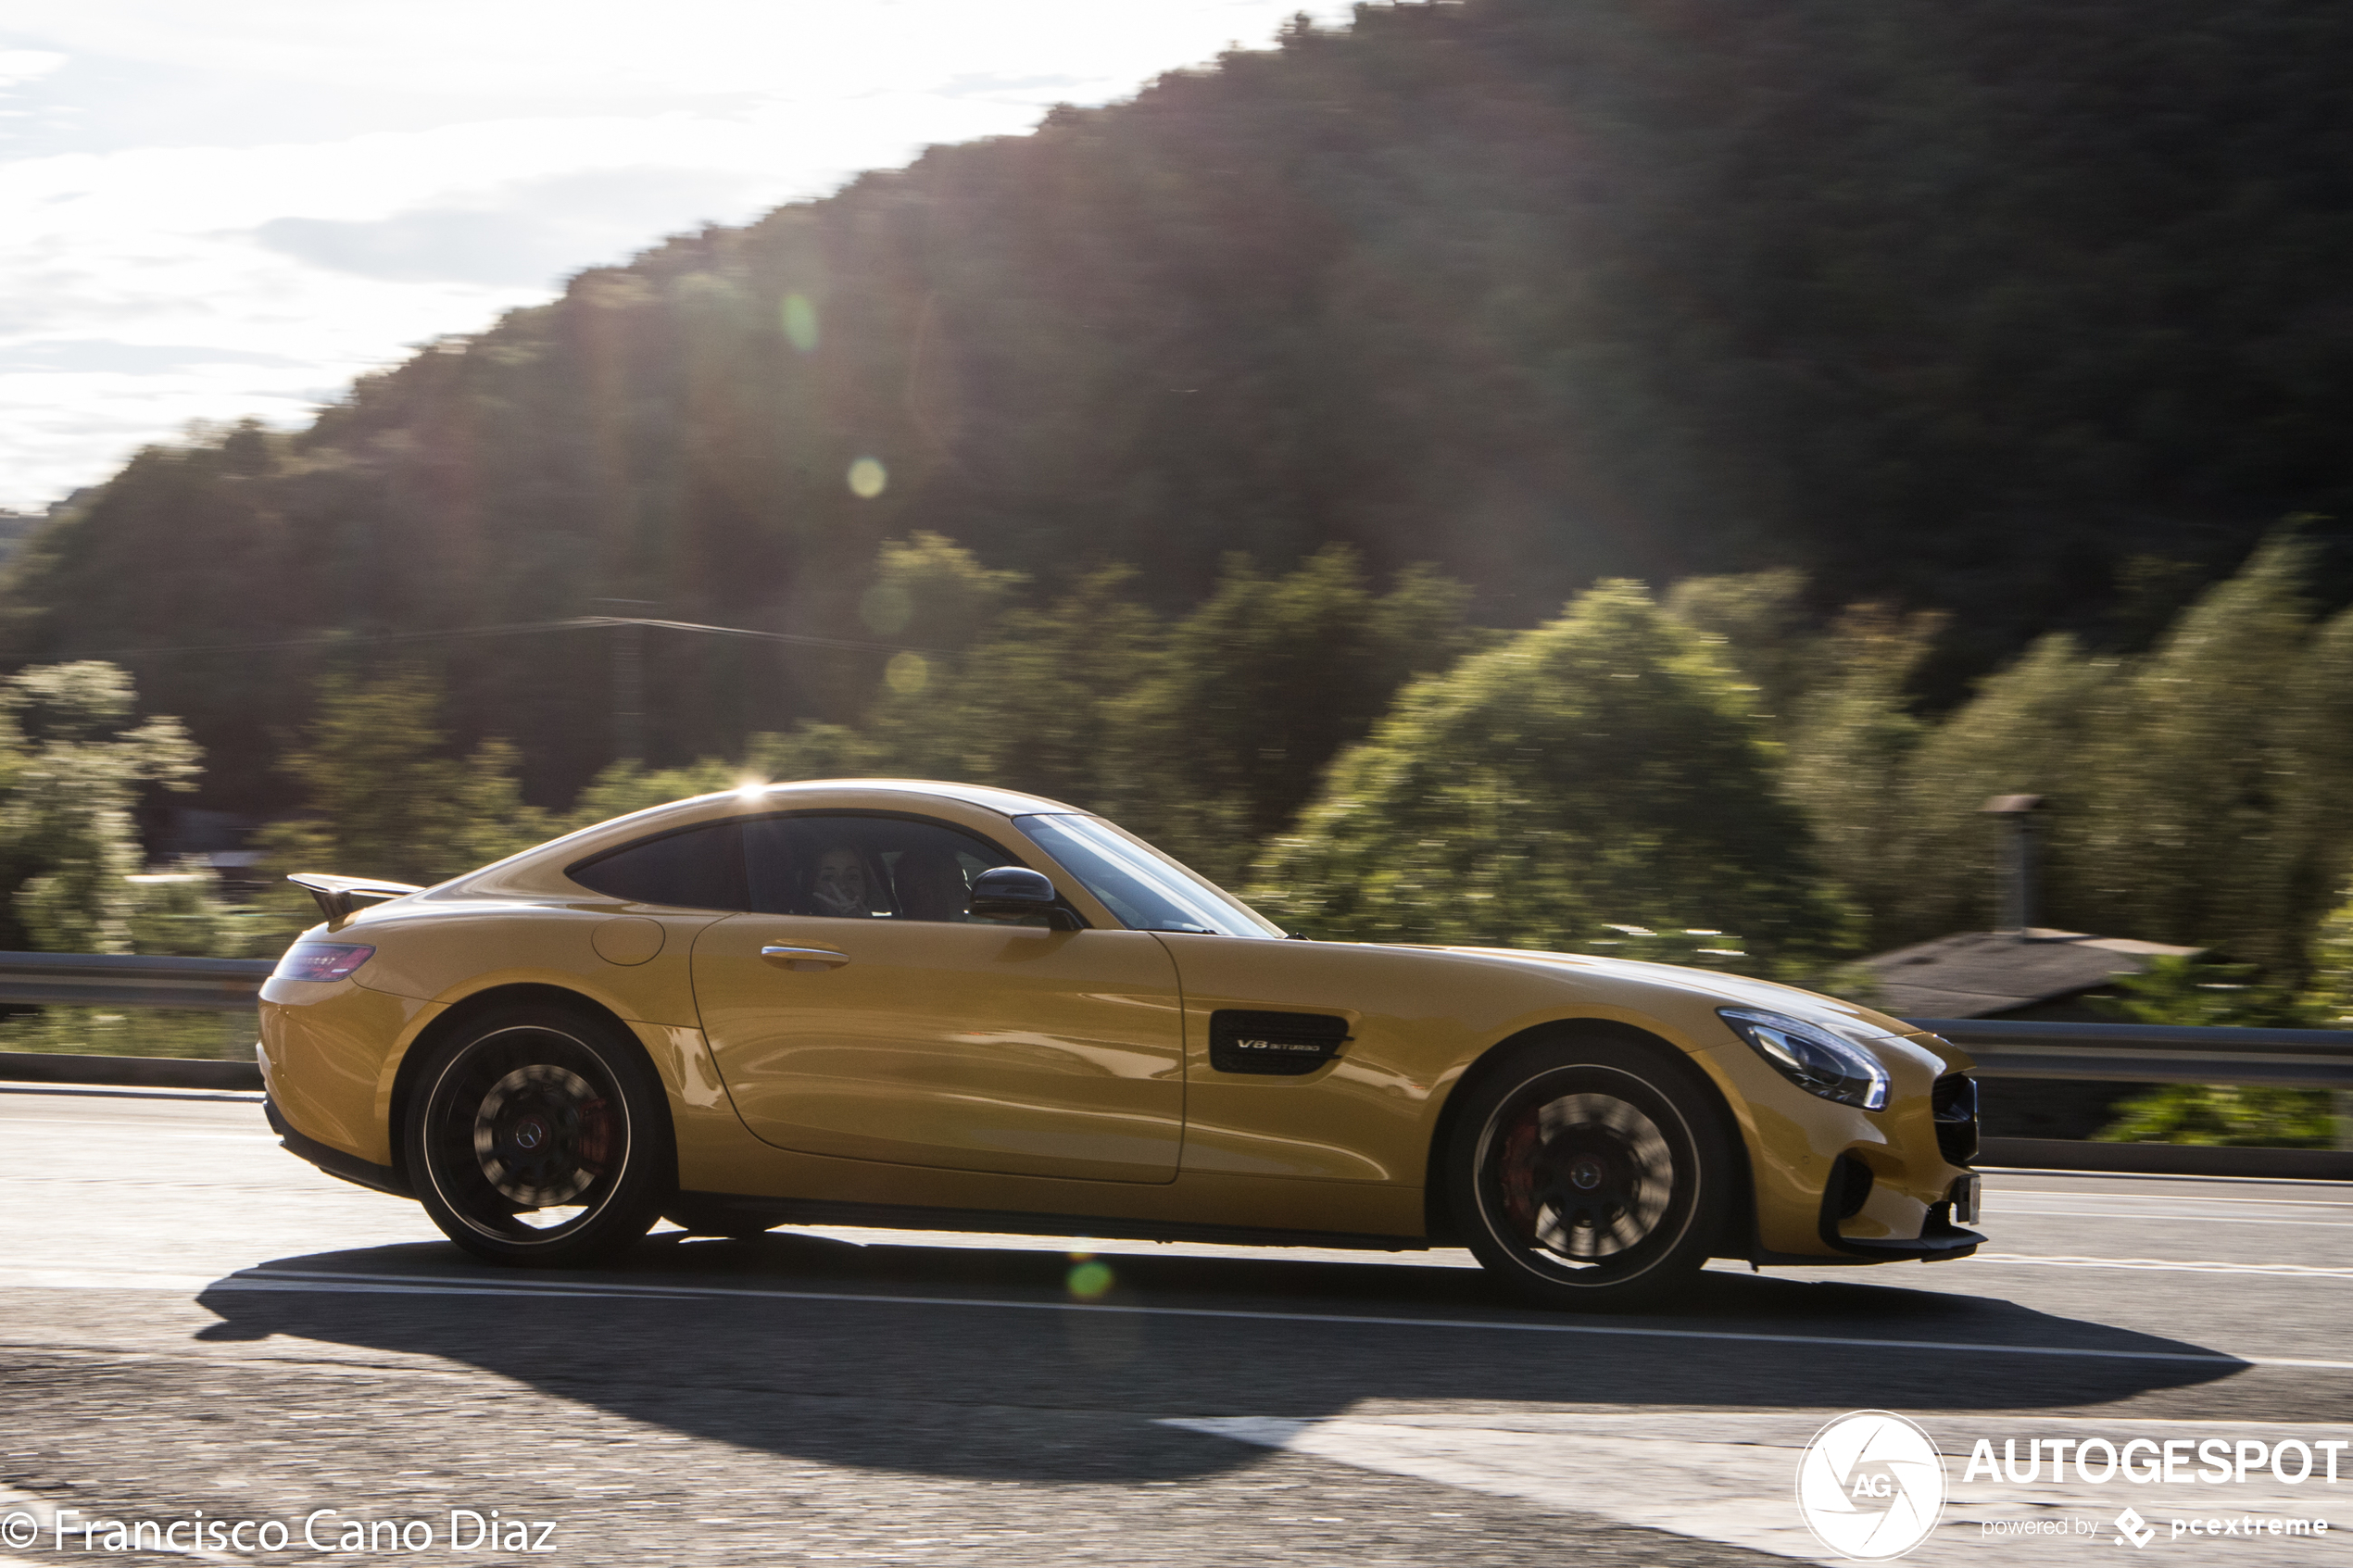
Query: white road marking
[2166, 1197]
[2062, 1260]
[1994, 1215]
[2006, 1172]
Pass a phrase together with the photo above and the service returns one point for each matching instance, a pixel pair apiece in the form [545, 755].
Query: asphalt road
[191, 1319]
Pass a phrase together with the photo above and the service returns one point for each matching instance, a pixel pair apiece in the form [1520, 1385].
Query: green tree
[383, 798]
[72, 763]
[183, 911]
[2205, 994]
[932, 591]
[1028, 707]
[2201, 993]
[1760, 623]
[1260, 687]
[2328, 995]
[811, 751]
[1603, 771]
[2025, 732]
[2247, 1115]
[2201, 793]
[1850, 746]
[2184, 796]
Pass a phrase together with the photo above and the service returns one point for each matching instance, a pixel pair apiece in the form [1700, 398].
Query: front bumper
[1836, 1184]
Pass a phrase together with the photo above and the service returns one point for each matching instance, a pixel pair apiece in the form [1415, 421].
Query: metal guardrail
[2146, 1053]
[127, 980]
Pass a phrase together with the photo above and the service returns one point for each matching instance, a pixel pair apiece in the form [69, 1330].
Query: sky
[210, 212]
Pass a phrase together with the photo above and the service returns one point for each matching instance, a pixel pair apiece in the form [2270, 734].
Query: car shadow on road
[925, 1357]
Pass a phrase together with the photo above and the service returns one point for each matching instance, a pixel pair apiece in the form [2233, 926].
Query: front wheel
[539, 1135]
[1589, 1173]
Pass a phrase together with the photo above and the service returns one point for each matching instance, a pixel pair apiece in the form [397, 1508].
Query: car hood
[1730, 990]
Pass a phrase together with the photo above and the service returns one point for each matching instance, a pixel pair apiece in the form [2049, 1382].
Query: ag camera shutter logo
[1870, 1486]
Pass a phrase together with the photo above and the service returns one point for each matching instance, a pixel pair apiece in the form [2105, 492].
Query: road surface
[193, 1320]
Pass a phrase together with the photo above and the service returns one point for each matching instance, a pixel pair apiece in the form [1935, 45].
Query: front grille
[1953, 1103]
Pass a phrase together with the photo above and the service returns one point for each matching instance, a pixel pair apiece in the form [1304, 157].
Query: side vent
[1282, 1045]
[1850, 1187]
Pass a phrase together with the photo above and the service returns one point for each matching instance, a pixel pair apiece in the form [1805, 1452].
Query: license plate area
[1965, 1200]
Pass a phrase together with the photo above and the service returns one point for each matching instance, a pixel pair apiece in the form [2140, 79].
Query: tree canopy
[1604, 771]
[73, 760]
[1959, 306]
[2201, 792]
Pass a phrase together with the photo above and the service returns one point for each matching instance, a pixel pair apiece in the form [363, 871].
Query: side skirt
[991, 1222]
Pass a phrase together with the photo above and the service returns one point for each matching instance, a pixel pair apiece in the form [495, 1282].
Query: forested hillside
[2023, 310]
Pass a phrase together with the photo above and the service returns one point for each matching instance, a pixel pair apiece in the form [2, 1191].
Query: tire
[540, 1135]
[1591, 1173]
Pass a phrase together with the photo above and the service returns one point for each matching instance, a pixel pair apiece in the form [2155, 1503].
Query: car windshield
[1139, 883]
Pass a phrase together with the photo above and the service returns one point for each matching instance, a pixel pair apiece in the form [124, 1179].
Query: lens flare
[800, 322]
[1089, 1280]
[867, 478]
[907, 673]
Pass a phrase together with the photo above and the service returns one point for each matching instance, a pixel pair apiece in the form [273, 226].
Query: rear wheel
[1591, 1173]
[539, 1135]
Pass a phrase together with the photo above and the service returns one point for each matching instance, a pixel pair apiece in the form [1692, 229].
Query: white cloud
[793, 48]
[27, 65]
[213, 212]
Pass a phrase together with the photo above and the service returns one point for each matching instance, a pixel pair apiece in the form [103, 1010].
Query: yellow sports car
[940, 1005]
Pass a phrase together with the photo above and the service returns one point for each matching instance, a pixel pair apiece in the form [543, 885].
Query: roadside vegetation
[1706, 777]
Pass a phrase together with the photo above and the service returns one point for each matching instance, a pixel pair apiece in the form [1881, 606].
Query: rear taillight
[321, 960]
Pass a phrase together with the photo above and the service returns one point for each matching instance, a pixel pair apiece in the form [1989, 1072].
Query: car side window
[847, 866]
[700, 867]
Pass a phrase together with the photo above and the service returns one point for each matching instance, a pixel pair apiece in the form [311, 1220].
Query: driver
[838, 888]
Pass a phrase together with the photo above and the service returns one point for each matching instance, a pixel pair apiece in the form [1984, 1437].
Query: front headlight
[1815, 1059]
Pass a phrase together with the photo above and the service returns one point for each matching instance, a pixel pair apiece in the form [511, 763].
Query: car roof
[1004, 802]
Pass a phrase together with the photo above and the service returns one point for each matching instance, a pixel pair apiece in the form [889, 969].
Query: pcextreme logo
[1870, 1486]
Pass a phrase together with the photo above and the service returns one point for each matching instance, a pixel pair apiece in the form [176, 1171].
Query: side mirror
[1011, 893]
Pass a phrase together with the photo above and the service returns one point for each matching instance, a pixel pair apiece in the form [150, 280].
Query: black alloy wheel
[539, 1135]
[1591, 1173]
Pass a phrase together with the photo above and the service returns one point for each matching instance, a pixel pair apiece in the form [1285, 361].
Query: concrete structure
[2035, 974]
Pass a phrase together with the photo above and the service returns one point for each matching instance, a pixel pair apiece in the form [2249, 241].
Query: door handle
[803, 958]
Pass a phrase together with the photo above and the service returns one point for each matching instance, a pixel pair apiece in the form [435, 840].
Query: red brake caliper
[595, 1135]
[1517, 1173]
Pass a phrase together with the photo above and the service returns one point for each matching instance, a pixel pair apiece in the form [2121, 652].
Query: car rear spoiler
[337, 897]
